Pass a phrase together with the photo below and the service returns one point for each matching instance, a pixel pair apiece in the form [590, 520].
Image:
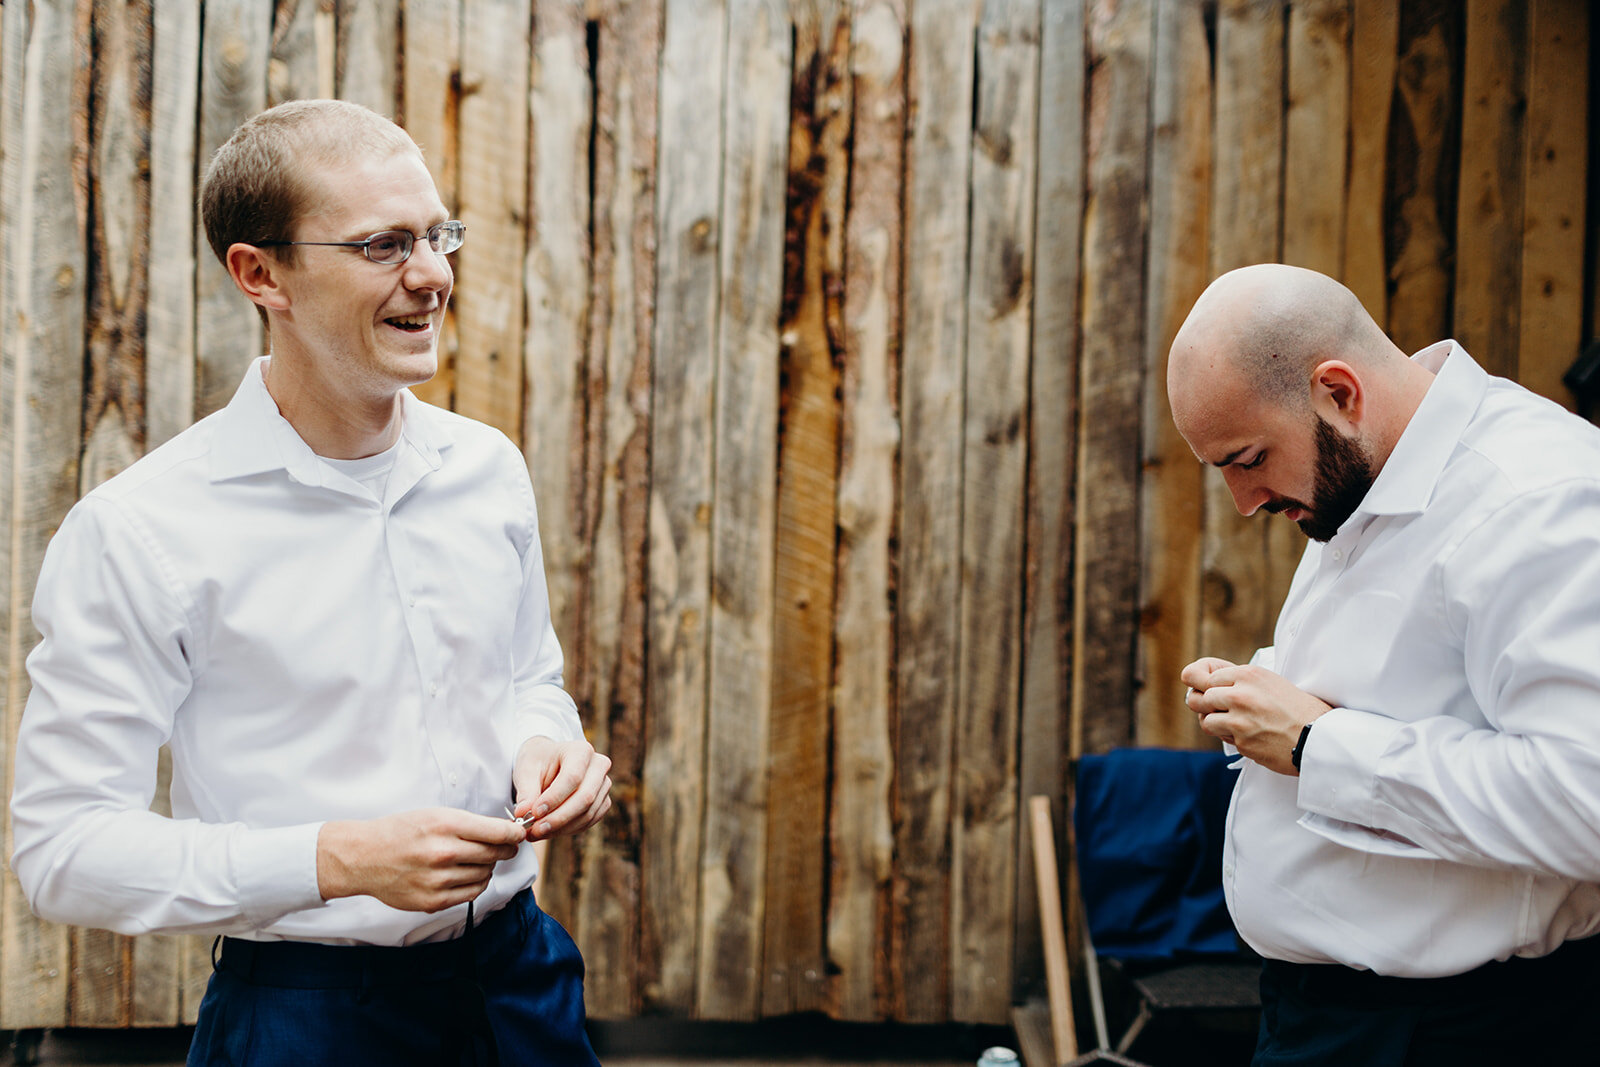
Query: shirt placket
[411, 580]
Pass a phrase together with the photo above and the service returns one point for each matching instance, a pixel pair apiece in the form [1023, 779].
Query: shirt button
[1227, 871]
[1338, 554]
[452, 779]
[433, 690]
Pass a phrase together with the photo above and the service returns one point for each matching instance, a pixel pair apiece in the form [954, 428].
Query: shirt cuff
[276, 871]
[1338, 768]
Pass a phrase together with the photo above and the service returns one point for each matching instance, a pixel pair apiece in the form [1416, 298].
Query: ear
[1337, 394]
[259, 276]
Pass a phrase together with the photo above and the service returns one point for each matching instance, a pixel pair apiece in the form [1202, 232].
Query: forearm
[138, 872]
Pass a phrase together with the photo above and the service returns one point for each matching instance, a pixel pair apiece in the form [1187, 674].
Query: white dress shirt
[310, 651]
[1448, 807]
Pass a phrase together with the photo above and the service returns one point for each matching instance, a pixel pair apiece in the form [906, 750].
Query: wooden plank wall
[834, 333]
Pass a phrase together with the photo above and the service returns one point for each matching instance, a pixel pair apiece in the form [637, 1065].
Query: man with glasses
[328, 598]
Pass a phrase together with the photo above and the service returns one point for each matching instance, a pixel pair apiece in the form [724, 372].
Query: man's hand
[564, 785]
[425, 860]
[1258, 712]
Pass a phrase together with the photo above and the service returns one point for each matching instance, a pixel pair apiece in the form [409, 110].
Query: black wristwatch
[1300, 746]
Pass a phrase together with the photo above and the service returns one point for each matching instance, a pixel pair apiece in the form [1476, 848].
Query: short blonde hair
[257, 184]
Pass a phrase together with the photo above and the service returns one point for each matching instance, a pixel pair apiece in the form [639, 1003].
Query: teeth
[411, 320]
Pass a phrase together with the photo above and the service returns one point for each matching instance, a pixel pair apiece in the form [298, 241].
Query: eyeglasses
[392, 247]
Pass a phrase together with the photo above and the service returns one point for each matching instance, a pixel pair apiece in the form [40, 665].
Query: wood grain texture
[621, 326]
[1239, 600]
[304, 56]
[430, 111]
[1489, 221]
[234, 48]
[1551, 308]
[939, 88]
[739, 703]
[793, 964]
[170, 312]
[689, 228]
[43, 187]
[860, 828]
[1317, 134]
[1374, 48]
[1421, 179]
[985, 830]
[495, 57]
[113, 413]
[1172, 487]
[368, 42]
[1106, 556]
[1052, 447]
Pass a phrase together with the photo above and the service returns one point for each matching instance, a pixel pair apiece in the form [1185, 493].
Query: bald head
[1267, 327]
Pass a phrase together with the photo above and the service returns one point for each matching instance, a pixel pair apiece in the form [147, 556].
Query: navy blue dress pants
[511, 993]
[1520, 1011]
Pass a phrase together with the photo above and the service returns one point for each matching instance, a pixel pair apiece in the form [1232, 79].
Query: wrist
[334, 872]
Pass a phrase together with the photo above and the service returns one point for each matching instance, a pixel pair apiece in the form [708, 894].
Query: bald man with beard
[1413, 844]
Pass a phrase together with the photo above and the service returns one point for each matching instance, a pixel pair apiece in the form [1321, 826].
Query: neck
[1404, 396]
[333, 421]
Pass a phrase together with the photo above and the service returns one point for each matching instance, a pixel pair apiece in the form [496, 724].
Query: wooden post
[793, 971]
[627, 38]
[937, 153]
[1551, 319]
[860, 830]
[43, 181]
[1106, 557]
[1052, 446]
[984, 832]
[1172, 488]
[1374, 45]
[674, 787]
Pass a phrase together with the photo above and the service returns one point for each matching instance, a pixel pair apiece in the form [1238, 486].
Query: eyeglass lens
[394, 246]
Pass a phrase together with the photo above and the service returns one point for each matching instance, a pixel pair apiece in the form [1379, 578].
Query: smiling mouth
[411, 323]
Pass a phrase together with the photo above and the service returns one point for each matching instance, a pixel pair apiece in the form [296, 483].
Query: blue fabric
[426, 1006]
[1149, 824]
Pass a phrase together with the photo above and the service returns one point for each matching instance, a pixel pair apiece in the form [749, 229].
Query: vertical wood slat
[673, 802]
[493, 189]
[43, 105]
[1420, 171]
[1172, 489]
[739, 701]
[1493, 166]
[1551, 310]
[628, 36]
[556, 434]
[119, 230]
[1316, 135]
[368, 42]
[233, 86]
[430, 101]
[1374, 44]
[1105, 558]
[860, 829]
[938, 147]
[1052, 440]
[1239, 601]
[170, 313]
[793, 963]
[999, 325]
[303, 58]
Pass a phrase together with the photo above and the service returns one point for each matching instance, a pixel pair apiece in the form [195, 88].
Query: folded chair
[1148, 825]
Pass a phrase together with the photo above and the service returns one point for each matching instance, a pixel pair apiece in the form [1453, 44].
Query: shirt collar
[1406, 483]
[252, 437]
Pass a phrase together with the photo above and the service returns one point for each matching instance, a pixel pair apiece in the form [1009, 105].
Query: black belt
[1516, 978]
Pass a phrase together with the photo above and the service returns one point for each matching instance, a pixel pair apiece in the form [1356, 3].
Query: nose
[1247, 498]
[427, 270]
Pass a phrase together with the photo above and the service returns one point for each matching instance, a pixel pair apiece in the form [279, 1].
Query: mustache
[1281, 504]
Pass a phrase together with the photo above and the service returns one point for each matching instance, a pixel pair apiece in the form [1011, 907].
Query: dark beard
[1344, 476]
